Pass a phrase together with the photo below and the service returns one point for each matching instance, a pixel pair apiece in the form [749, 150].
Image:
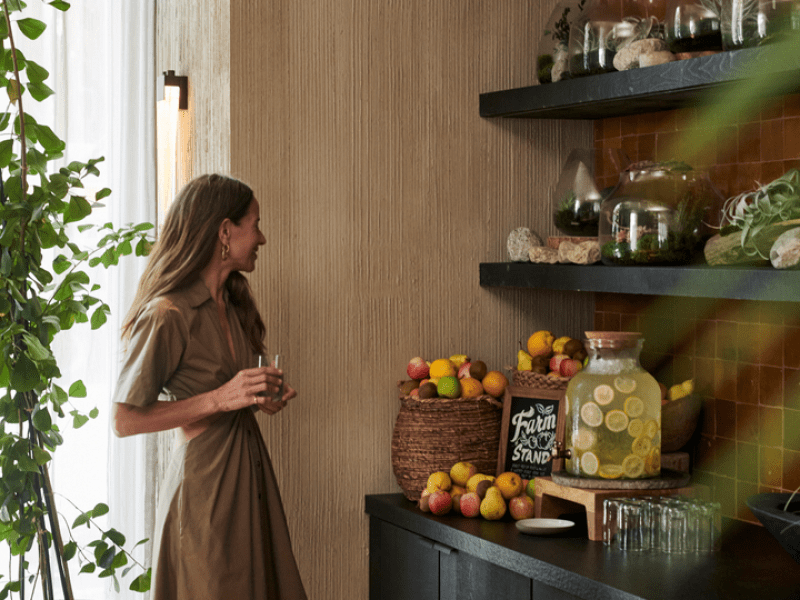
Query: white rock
[543, 254]
[785, 252]
[628, 57]
[520, 241]
[559, 68]
[650, 59]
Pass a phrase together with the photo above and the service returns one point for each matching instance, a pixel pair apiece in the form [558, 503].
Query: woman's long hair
[186, 244]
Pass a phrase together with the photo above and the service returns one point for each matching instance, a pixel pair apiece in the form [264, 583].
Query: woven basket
[537, 380]
[434, 434]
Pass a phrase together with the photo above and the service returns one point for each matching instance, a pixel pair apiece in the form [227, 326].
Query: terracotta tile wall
[744, 356]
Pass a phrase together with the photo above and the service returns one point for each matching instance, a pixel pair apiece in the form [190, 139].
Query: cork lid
[613, 339]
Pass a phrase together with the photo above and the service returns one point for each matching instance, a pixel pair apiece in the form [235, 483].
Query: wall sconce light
[170, 85]
[172, 138]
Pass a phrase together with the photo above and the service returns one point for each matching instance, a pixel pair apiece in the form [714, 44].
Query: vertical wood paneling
[381, 189]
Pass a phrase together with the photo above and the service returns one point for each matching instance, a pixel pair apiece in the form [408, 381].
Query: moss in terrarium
[589, 63]
[574, 217]
[706, 35]
[544, 66]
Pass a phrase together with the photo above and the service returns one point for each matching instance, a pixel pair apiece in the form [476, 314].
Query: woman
[192, 335]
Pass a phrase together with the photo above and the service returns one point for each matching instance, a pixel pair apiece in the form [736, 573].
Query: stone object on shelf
[656, 58]
[543, 254]
[785, 252]
[519, 242]
[584, 253]
[630, 56]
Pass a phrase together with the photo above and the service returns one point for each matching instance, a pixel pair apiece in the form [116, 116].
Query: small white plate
[543, 526]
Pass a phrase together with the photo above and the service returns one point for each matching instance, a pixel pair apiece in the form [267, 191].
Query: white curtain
[101, 58]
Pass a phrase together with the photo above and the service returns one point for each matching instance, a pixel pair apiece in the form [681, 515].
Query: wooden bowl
[678, 421]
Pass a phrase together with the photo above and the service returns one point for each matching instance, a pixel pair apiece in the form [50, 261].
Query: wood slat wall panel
[381, 189]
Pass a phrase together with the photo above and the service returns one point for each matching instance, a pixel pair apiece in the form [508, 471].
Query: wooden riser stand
[553, 500]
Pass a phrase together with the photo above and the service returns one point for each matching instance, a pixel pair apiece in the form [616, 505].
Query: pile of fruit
[465, 491]
[677, 391]
[554, 357]
[454, 377]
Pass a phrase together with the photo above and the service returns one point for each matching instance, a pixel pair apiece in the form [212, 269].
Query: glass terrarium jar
[660, 213]
[579, 192]
[552, 59]
[751, 23]
[696, 25]
[613, 412]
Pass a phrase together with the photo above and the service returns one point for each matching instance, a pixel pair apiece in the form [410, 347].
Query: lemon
[459, 359]
[461, 472]
[591, 414]
[652, 464]
[603, 394]
[676, 392]
[540, 342]
[626, 385]
[641, 446]
[634, 407]
[688, 386]
[558, 345]
[633, 466]
[439, 481]
[583, 439]
[589, 463]
[610, 471]
[616, 420]
[442, 367]
[635, 428]
[651, 428]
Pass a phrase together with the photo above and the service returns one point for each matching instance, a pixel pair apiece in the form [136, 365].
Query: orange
[442, 367]
[495, 383]
[540, 342]
[509, 484]
[471, 387]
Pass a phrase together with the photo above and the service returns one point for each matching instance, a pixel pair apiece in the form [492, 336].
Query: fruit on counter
[470, 504]
[521, 507]
[495, 383]
[417, 368]
[540, 342]
[442, 367]
[423, 501]
[461, 472]
[493, 505]
[440, 502]
[509, 484]
[482, 488]
[438, 480]
[472, 482]
[524, 360]
[530, 488]
[569, 367]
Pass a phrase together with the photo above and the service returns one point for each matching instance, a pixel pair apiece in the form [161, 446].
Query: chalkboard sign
[532, 420]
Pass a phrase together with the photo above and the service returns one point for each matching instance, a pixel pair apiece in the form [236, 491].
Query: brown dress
[221, 531]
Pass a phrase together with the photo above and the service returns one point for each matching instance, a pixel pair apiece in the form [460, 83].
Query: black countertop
[750, 566]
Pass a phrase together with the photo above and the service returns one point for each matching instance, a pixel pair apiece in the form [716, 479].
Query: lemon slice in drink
[583, 439]
[633, 466]
[652, 464]
[626, 385]
[589, 463]
[610, 471]
[616, 420]
[592, 415]
[641, 446]
[634, 407]
[651, 428]
[603, 394]
[635, 428]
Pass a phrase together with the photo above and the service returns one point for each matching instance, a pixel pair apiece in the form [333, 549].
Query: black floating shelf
[662, 87]
[701, 281]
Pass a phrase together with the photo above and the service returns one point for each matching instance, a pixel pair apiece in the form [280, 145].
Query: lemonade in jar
[613, 412]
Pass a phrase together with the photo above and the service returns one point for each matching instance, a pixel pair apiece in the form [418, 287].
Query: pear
[524, 361]
[493, 506]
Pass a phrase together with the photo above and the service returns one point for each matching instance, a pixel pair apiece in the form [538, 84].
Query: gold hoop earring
[226, 251]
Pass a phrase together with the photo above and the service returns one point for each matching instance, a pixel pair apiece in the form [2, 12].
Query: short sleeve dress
[221, 530]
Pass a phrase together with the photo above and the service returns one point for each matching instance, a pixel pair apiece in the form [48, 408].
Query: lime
[625, 384]
[635, 428]
[641, 445]
[634, 407]
[616, 420]
[651, 428]
[610, 471]
[589, 463]
[449, 387]
[633, 466]
[603, 394]
[592, 415]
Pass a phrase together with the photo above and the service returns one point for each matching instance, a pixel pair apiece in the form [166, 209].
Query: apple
[569, 367]
[424, 499]
[521, 507]
[440, 502]
[470, 504]
[463, 370]
[556, 360]
[417, 368]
